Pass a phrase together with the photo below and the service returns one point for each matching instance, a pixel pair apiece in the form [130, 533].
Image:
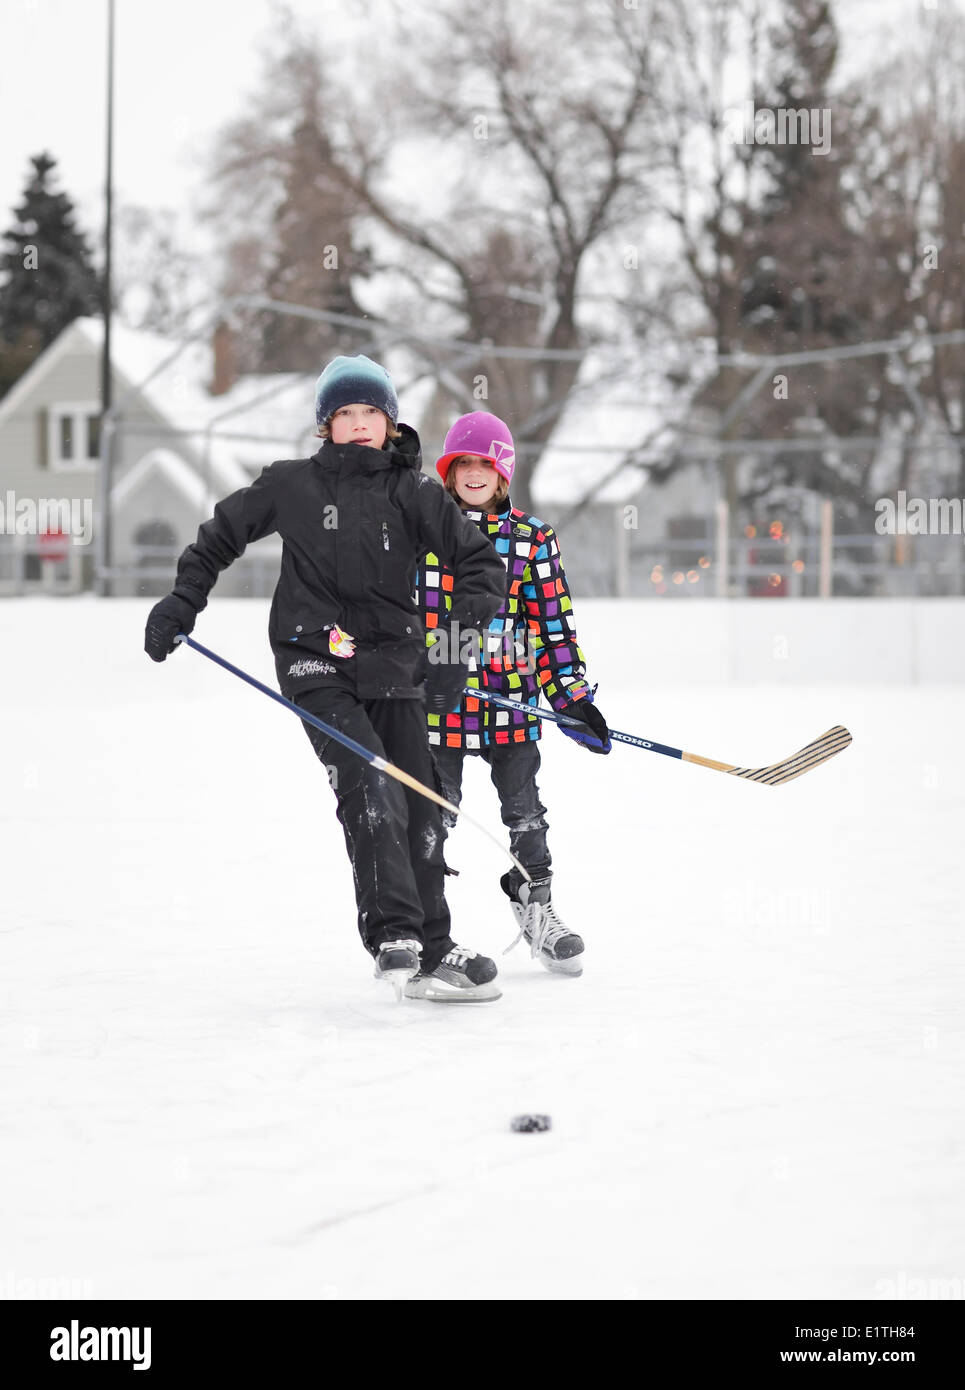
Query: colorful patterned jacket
[530, 646]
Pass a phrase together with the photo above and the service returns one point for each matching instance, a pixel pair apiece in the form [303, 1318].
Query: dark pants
[513, 768]
[394, 836]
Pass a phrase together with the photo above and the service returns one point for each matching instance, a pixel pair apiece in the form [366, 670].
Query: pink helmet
[484, 436]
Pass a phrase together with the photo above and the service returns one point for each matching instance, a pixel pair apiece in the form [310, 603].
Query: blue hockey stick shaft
[366, 753]
[818, 751]
[555, 718]
[379, 763]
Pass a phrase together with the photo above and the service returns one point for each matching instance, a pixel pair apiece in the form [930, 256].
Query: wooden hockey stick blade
[834, 741]
[827, 746]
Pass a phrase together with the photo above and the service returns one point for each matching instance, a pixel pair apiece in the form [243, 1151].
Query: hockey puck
[529, 1124]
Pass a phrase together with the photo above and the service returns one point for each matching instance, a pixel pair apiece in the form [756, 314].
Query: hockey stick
[379, 763]
[813, 755]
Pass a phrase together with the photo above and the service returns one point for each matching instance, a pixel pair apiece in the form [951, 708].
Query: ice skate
[396, 962]
[461, 977]
[550, 940]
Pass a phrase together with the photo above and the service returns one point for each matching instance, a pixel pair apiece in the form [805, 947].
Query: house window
[155, 550]
[74, 434]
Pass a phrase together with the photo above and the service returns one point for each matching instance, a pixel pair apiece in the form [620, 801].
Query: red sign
[54, 545]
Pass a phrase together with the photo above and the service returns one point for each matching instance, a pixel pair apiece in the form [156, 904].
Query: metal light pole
[107, 431]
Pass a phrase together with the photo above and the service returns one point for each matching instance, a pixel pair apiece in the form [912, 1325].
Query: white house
[186, 435]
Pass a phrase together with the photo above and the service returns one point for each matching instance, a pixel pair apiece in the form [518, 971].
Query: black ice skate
[549, 938]
[396, 962]
[461, 977]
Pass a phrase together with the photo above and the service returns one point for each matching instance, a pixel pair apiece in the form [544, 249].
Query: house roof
[621, 405]
[229, 437]
[260, 417]
[68, 340]
[180, 474]
[176, 391]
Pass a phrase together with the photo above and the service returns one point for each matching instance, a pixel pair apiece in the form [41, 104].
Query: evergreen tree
[805, 287]
[801, 290]
[793, 295]
[48, 278]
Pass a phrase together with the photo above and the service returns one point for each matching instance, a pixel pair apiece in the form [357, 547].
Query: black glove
[448, 667]
[444, 686]
[165, 620]
[594, 734]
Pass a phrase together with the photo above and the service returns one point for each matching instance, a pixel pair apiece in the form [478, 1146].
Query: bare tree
[536, 174]
[544, 111]
[155, 276]
[788, 250]
[908, 197]
[286, 214]
[713, 186]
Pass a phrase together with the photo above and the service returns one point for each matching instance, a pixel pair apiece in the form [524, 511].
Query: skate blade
[439, 993]
[398, 979]
[572, 967]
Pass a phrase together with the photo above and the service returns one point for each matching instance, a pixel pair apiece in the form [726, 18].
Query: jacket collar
[405, 452]
[500, 514]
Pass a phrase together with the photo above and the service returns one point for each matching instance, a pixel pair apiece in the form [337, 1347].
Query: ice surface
[755, 1087]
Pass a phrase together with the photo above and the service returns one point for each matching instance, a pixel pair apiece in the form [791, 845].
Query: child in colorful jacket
[530, 649]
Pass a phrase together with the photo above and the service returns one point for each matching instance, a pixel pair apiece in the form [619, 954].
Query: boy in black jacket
[350, 648]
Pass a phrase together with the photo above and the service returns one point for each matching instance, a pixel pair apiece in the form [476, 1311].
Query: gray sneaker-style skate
[549, 938]
[396, 962]
[461, 977]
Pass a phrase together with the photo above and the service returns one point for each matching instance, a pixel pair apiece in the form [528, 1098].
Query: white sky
[182, 69]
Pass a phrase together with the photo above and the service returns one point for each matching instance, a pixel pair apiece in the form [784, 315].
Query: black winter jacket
[355, 522]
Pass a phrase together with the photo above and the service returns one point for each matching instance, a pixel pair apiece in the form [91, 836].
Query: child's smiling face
[359, 424]
[475, 481]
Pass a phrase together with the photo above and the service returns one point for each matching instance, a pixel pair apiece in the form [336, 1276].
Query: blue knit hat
[354, 381]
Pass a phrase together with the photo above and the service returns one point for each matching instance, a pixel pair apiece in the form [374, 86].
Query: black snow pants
[394, 836]
[512, 768]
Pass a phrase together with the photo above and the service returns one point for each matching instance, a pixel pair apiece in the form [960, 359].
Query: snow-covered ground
[755, 1087]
